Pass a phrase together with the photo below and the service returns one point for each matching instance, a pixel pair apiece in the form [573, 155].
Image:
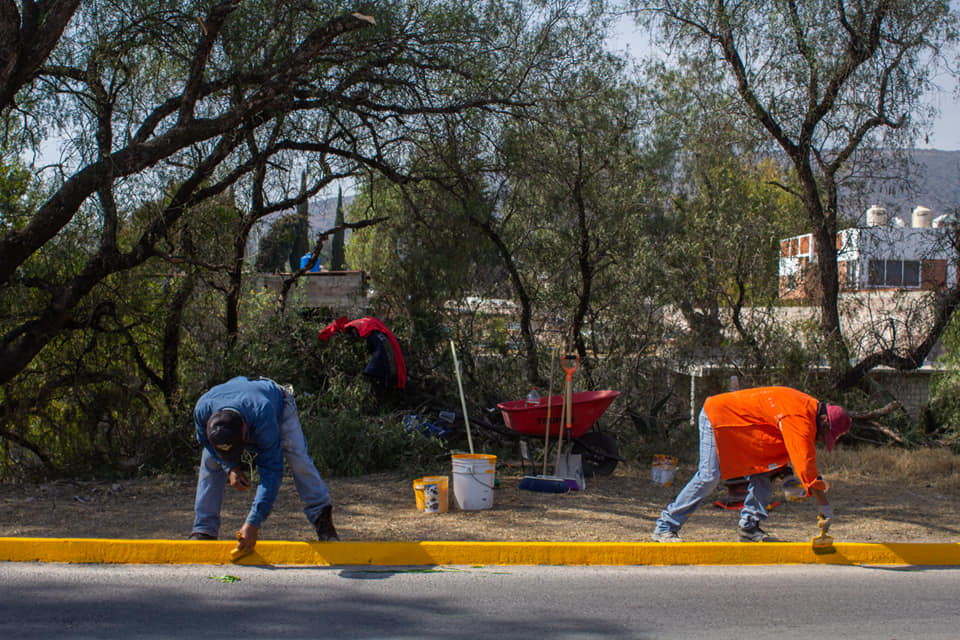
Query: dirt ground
[874, 502]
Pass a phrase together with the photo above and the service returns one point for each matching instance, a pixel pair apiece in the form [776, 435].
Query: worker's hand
[238, 481]
[247, 537]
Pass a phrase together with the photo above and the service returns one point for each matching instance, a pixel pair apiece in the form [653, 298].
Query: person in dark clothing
[260, 416]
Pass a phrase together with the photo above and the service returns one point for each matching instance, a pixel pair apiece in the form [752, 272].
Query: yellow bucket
[432, 494]
[418, 493]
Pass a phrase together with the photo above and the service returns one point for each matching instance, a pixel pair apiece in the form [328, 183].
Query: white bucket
[473, 480]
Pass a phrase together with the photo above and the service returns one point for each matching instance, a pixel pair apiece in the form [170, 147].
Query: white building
[886, 254]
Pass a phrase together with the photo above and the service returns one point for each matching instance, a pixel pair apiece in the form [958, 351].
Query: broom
[544, 483]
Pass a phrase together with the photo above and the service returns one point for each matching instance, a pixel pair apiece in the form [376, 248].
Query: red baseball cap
[839, 424]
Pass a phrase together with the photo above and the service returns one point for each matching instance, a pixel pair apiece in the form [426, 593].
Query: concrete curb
[111, 551]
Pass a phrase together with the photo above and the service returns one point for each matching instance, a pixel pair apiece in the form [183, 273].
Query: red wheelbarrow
[598, 449]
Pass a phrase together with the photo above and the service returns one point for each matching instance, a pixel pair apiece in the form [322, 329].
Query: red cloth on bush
[372, 329]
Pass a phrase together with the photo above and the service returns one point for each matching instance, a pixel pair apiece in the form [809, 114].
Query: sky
[946, 131]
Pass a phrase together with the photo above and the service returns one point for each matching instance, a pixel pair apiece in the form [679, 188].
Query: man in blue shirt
[260, 416]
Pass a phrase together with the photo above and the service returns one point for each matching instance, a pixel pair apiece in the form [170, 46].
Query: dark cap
[225, 433]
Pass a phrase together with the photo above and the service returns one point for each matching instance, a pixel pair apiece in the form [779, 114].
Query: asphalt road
[195, 601]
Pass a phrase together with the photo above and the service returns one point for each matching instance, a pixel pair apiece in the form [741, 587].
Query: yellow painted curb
[110, 551]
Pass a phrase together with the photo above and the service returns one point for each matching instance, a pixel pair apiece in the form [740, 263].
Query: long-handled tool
[823, 543]
[546, 431]
[543, 482]
[463, 400]
[569, 466]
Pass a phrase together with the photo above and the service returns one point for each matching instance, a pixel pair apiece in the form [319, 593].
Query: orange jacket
[758, 430]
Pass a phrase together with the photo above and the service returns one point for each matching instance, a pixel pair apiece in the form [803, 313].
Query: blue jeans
[310, 486]
[705, 480]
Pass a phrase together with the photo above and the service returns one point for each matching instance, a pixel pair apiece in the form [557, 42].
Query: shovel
[569, 466]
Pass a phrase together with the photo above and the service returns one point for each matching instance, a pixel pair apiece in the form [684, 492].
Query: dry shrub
[937, 467]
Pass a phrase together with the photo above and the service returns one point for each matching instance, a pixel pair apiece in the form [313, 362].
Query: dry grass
[938, 468]
[880, 495]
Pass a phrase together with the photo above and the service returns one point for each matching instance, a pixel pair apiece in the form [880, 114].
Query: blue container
[305, 259]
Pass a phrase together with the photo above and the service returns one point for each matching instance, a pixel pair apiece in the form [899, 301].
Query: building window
[894, 273]
[911, 273]
[848, 275]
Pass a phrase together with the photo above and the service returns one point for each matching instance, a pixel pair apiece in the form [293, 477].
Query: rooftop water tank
[922, 216]
[876, 216]
[943, 221]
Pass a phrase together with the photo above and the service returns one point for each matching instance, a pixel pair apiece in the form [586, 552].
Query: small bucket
[473, 480]
[663, 469]
[435, 494]
[418, 493]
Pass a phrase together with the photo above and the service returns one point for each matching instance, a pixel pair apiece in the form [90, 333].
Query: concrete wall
[342, 290]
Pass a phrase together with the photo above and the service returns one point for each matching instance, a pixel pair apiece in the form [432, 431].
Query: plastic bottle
[533, 398]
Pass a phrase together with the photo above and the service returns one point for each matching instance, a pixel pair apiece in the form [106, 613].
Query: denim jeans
[310, 486]
[705, 480]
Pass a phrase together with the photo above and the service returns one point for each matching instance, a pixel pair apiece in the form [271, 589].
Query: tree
[277, 247]
[302, 233]
[187, 106]
[823, 81]
[583, 191]
[463, 221]
[723, 215]
[336, 251]
[29, 36]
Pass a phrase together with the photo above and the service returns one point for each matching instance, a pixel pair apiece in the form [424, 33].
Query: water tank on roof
[922, 217]
[943, 221]
[876, 216]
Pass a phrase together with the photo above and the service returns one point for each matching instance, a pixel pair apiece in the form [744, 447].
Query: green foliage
[941, 417]
[352, 426]
[17, 195]
[811, 79]
[106, 396]
[278, 246]
[420, 259]
[582, 201]
[347, 434]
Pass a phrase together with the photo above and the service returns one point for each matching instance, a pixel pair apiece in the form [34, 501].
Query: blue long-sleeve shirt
[260, 402]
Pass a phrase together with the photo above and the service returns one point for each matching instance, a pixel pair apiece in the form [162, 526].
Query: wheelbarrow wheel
[599, 453]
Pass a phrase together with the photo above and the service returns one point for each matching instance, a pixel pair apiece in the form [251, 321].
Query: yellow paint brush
[238, 553]
[823, 543]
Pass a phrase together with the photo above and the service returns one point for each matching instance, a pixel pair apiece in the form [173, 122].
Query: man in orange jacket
[751, 433]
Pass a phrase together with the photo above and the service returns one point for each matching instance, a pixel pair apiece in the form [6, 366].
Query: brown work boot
[324, 526]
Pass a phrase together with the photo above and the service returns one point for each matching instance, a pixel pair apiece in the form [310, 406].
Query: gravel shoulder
[622, 507]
